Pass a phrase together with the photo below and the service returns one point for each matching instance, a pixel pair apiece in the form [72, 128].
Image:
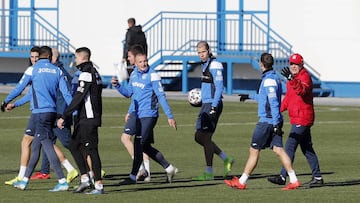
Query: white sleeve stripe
[85, 76]
[216, 65]
[155, 77]
[29, 70]
[269, 82]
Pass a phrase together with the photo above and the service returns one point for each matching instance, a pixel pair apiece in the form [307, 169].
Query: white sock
[169, 169]
[292, 176]
[142, 166]
[67, 165]
[243, 179]
[62, 180]
[21, 172]
[147, 166]
[25, 179]
[84, 178]
[99, 186]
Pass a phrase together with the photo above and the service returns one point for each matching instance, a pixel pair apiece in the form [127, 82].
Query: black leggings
[203, 138]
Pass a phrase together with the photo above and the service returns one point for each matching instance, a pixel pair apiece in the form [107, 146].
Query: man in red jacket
[298, 101]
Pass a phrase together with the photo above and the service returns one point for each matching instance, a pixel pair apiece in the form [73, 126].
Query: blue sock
[223, 156]
[209, 169]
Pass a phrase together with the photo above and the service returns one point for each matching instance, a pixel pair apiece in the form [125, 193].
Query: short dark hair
[132, 20]
[267, 60]
[136, 49]
[45, 52]
[84, 49]
[35, 49]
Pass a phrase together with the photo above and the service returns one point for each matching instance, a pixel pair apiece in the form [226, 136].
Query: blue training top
[45, 79]
[269, 98]
[146, 92]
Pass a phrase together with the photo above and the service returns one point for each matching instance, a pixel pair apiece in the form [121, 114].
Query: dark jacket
[134, 35]
[87, 99]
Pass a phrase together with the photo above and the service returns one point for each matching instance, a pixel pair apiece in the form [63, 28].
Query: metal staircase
[23, 25]
[235, 37]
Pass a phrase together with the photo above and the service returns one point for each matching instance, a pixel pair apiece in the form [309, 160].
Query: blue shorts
[204, 122]
[130, 125]
[30, 128]
[263, 137]
[147, 125]
[44, 123]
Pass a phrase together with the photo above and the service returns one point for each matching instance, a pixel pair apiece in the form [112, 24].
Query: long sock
[25, 179]
[67, 165]
[21, 172]
[99, 186]
[292, 176]
[142, 167]
[209, 169]
[147, 166]
[62, 180]
[243, 179]
[169, 168]
[223, 156]
[85, 178]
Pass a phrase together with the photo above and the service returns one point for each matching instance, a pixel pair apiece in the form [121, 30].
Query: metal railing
[22, 28]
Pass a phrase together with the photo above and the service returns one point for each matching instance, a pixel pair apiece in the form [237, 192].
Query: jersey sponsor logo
[46, 70]
[138, 84]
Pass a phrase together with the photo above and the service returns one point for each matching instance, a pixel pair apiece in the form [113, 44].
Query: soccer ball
[194, 97]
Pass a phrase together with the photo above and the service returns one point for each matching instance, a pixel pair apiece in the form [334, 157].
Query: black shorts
[86, 134]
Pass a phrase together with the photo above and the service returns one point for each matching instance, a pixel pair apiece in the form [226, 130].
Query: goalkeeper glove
[287, 74]
[3, 106]
[244, 97]
[277, 130]
[212, 114]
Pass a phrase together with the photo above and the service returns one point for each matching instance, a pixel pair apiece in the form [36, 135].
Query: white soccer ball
[194, 97]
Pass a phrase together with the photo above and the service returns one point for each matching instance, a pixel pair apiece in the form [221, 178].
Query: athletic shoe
[20, 184]
[143, 175]
[292, 186]
[72, 175]
[95, 192]
[234, 183]
[12, 181]
[127, 181]
[39, 176]
[229, 161]
[60, 187]
[82, 187]
[147, 179]
[315, 183]
[204, 177]
[170, 175]
[103, 173]
[279, 180]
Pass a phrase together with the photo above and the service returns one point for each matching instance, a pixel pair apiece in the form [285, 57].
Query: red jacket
[298, 99]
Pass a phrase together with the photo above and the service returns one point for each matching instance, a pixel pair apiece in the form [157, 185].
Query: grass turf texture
[335, 138]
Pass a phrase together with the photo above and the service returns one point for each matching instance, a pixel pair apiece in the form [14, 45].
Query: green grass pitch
[335, 138]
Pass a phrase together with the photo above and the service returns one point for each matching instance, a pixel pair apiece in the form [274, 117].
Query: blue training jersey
[269, 98]
[45, 80]
[146, 92]
[212, 92]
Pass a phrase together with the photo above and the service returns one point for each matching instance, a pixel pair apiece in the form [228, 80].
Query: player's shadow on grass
[160, 186]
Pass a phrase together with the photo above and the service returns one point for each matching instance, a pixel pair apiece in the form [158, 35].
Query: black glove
[278, 130]
[286, 73]
[243, 97]
[212, 113]
[3, 106]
